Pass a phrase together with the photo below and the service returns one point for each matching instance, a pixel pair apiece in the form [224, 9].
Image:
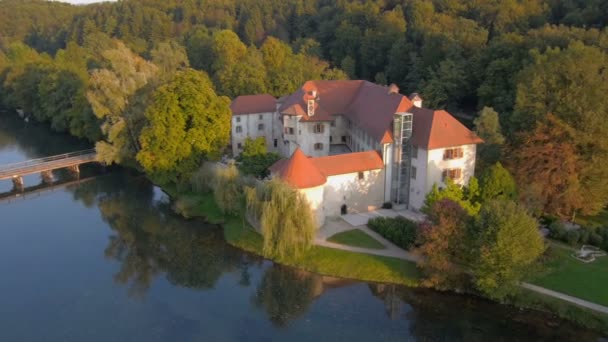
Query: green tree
[111, 93]
[508, 244]
[487, 126]
[497, 183]
[186, 122]
[465, 198]
[254, 147]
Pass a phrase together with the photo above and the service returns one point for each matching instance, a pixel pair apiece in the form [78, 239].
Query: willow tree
[227, 189]
[285, 218]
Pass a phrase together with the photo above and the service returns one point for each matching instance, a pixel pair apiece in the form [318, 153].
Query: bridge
[46, 165]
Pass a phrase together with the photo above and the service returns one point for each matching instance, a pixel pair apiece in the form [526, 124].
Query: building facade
[332, 121]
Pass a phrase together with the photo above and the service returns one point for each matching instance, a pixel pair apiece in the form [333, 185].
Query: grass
[525, 298]
[356, 238]
[321, 260]
[588, 281]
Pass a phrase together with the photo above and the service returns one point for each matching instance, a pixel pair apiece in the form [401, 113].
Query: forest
[133, 76]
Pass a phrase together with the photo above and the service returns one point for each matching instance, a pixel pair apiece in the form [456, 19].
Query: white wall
[305, 138]
[436, 165]
[339, 130]
[359, 195]
[315, 199]
[418, 186]
[249, 125]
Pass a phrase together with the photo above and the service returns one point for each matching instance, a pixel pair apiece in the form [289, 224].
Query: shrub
[572, 237]
[202, 180]
[584, 235]
[596, 239]
[399, 231]
[557, 230]
[387, 205]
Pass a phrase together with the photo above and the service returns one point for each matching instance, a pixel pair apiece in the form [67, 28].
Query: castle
[351, 146]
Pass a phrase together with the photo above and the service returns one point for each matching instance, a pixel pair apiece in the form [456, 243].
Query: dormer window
[311, 107]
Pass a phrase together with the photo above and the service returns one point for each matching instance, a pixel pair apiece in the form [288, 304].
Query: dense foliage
[255, 159]
[597, 237]
[398, 230]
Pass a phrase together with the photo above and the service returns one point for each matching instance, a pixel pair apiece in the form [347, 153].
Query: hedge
[399, 231]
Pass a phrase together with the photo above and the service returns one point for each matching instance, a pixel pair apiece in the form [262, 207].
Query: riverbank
[365, 267]
[321, 260]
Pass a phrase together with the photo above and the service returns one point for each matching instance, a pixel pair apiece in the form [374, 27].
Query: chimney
[416, 100]
[313, 93]
[393, 89]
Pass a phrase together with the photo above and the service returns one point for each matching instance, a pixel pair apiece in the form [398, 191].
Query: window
[413, 173]
[333, 124]
[415, 152]
[318, 147]
[260, 116]
[239, 146]
[288, 130]
[260, 127]
[453, 153]
[454, 174]
[344, 138]
[238, 119]
[318, 128]
[331, 139]
[276, 142]
[361, 176]
[238, 129]
[299, 132]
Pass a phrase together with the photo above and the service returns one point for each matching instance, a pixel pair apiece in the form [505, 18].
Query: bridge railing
[39, 161]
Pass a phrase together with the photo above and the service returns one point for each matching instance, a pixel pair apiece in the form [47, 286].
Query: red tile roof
[299, 171]
[369, 106]
[248, 104]
[303, 172]
[348, 163]
[438, 129]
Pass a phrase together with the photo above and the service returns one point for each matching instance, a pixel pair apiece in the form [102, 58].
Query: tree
[446, 85]
[570, 84]
[170, 57]
[497, 183]
[255, 160]
[508, 243]
[487, 126]
[548, 160]
[227, 190]
[186, 122]
[111, 93]
[285, 218]
[444, 245]
[465, 197]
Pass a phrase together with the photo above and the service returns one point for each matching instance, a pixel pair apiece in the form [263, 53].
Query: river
[105, 259]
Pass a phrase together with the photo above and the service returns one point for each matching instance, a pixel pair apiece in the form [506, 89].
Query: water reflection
[149, 240]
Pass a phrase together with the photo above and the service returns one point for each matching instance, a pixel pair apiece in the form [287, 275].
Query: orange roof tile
[438, 129]
[248, 104]
[348, 163]
[299, 171]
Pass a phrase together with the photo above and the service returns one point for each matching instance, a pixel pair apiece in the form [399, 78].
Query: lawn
[356, 238]
[570, 276]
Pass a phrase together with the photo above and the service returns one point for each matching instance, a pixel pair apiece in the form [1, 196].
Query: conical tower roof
[299, 171]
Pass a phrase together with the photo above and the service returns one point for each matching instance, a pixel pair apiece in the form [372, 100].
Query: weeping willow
[227, 190]
[284, 216]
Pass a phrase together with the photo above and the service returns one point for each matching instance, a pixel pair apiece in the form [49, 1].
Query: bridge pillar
[74, 169]
[18, 183]
[47, 177]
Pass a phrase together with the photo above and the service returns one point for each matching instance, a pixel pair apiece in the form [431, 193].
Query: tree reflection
[285, 293]
[149, 240]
